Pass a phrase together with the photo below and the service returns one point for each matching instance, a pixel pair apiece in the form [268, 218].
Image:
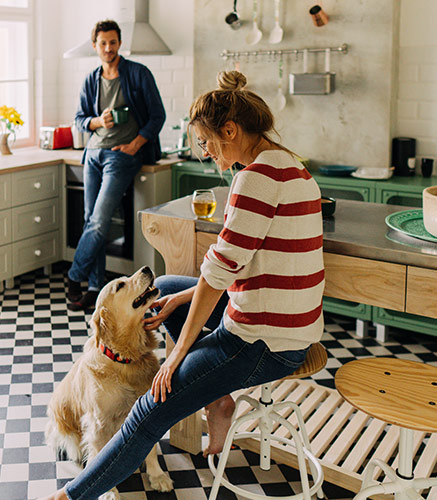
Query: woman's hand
[168, 304]
[162, 382]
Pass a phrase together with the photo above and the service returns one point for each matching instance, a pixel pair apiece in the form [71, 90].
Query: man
[114, 153]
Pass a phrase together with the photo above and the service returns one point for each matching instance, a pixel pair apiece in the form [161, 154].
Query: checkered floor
[39, 341]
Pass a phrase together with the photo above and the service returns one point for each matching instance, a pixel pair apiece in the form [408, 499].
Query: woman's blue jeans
[217, 364]
[107, 175]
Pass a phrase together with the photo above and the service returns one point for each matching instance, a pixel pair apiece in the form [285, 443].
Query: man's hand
[106, 119]
[129, 149]
[133, 147]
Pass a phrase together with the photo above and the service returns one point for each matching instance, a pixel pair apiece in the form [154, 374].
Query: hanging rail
[227, 54]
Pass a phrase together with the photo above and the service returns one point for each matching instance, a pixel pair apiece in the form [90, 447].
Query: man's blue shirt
[142, 97]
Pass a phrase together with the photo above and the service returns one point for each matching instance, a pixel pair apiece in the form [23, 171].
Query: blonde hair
[231, 102]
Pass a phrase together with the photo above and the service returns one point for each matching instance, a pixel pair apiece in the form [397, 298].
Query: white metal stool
[399, 392]
[266, 411]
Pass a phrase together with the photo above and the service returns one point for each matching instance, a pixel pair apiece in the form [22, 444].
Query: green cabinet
[190, 175]
[405, 191]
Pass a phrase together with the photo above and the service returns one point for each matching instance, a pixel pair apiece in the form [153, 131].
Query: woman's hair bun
[231, 80]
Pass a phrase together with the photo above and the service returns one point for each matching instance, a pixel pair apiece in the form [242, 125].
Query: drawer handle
[143, 178]
[37, 219]
[38, 253]
[37, 185]
[153, 228]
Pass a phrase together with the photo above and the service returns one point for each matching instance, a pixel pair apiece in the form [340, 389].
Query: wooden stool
[266, 411]
[399, 392]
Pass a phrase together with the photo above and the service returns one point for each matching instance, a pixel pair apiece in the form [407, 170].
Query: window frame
[26, 15]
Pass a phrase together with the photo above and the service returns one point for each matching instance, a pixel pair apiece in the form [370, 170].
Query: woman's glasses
[202, 146]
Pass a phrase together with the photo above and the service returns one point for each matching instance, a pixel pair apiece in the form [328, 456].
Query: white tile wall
[417, 95]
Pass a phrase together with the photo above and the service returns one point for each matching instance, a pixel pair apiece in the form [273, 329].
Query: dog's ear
[101, 321]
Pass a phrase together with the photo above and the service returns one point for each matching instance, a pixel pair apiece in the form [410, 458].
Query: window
[15, 73]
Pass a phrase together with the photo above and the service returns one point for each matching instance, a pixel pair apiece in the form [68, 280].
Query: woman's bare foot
[59, 495]
[218, 417]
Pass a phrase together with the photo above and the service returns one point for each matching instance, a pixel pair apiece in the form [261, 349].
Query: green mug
[120, 115]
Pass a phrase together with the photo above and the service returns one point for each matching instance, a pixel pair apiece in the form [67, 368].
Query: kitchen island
[364, 262]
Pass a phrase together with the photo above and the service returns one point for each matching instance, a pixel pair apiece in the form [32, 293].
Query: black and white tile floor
[39, 341]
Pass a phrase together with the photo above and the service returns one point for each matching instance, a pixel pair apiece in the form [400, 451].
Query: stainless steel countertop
[357, 229]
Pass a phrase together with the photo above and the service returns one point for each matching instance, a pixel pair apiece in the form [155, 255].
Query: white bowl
[429, 201]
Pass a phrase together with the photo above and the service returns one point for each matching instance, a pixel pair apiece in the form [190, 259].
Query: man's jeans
[107, 176]
[217, 364]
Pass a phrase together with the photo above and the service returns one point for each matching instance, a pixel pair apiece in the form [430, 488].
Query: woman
[269, 259]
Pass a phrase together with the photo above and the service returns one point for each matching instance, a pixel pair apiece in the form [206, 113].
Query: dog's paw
[161, 482]
[110, 495]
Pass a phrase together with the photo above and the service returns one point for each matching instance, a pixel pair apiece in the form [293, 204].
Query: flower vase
[4, 146]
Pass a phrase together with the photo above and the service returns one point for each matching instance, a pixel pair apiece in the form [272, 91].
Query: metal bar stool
[399, 392]
[266, 411]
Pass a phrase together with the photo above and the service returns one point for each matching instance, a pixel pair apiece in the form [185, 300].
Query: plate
[336, 170]
[373, 173]
[410, 222]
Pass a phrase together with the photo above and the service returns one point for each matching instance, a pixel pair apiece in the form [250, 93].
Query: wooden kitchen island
[364, 262]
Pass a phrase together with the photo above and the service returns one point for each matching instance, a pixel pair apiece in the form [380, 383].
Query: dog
[117, 366]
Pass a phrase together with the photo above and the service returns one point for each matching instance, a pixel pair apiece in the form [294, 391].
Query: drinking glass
[203, 203]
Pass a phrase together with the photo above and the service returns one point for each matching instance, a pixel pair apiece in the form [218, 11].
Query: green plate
[410, 222]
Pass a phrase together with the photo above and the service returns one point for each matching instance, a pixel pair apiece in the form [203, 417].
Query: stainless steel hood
[137, 35]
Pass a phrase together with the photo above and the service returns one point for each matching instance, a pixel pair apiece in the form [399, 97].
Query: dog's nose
[146, 270]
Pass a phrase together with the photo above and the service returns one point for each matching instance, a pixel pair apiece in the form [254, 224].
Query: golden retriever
[117, 366]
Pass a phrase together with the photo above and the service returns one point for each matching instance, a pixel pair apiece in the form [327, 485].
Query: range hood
[137, 35]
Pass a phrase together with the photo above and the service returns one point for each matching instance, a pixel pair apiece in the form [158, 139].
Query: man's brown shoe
[88, 301]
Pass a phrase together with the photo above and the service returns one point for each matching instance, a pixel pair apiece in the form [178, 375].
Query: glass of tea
[203, 203]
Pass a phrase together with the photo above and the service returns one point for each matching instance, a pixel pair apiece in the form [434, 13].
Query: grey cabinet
[29, 220]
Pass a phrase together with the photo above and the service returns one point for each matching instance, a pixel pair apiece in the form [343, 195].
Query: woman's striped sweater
[269, 255]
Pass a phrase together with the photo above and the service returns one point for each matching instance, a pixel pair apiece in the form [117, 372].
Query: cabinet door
[6, 262]
[5, 191]
[391, 197]
[34, 185]
[5, 227]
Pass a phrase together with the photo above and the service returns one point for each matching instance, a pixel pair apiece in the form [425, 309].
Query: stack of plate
[410, 222]
[337, 170]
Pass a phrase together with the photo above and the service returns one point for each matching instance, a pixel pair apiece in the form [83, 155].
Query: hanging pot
[4, 146]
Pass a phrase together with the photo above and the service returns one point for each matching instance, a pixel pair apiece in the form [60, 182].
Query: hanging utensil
[277, 32]
[280, 101]
[255, 33]
[233, 19]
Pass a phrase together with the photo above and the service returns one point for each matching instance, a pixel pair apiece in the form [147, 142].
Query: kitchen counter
[357, 229]
[34, 157]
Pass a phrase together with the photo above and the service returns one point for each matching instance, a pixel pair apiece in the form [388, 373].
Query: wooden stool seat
[315, 361]
[397, 391]
[400, 392]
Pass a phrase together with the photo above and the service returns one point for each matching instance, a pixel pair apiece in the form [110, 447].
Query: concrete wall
[352, 126]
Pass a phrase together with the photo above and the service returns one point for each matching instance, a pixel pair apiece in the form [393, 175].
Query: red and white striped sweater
[269, 255]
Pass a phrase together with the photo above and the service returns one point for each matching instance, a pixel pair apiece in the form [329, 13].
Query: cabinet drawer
[366, 281]
[6, 262]
[5, 191]
[5, 227]
[34, 185]
[422, 291]
[35, 218]
[35, 252]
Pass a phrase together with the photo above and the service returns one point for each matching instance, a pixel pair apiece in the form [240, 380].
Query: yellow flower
[10, 119]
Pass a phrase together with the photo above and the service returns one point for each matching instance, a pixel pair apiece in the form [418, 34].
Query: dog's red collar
[115, 357]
